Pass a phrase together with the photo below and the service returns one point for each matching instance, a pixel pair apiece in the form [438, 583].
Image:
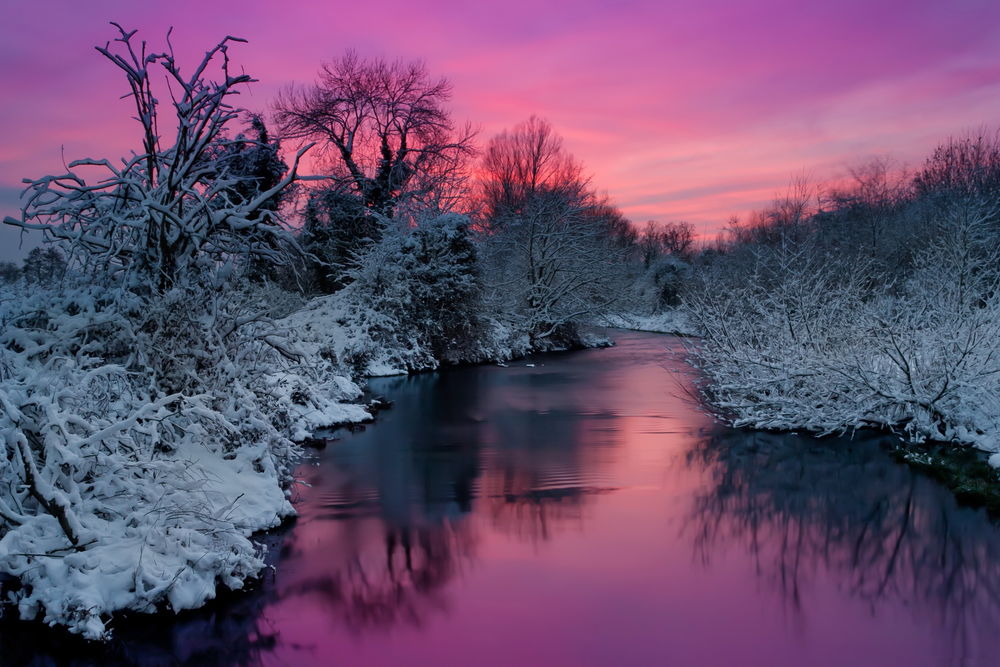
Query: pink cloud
[679, 110]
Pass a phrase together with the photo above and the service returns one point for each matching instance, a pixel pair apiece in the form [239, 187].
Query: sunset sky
[679, 110]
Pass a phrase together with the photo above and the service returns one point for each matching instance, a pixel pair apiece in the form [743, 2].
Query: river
[580, 509]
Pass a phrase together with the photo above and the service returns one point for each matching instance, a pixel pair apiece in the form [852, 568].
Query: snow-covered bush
[413, 302]
[143, 442]
[336, 230]
[660, 285]
[170, 210]
[799, 339]
[427, 277]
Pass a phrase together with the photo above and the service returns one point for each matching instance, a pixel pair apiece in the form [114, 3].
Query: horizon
[678, 113]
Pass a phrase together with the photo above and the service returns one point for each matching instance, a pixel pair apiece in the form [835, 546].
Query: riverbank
[146, 443]
[964, 470]
[123, 498]
[673, 322]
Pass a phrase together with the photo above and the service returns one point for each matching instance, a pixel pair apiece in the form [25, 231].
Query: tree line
[870, 303]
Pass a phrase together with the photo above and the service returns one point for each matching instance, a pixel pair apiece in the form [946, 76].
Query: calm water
[582, 511]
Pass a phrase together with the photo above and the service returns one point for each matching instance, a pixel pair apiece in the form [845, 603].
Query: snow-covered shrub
[440, 269]
[802, 340]
[766, 335]
[336, 230]
[413, 302]
[143, 442]
[422, 287]
[659, 287]
[169, 210]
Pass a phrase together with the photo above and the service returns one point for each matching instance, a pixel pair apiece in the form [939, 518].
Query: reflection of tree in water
[398, 537]
[367, 591]
[522, 503]
[887, 535]
[394, 509]
[537, 478]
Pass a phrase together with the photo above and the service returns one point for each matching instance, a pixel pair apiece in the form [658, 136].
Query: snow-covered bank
[816, 347]
[370, 342]
[116, 494]
[674, 321]
[153, 385]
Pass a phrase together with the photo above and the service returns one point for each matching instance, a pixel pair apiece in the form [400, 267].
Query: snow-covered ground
[669, 322]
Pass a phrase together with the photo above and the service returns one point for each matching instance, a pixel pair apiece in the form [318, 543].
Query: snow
[116, 496]
[673, 321]
[821, 349]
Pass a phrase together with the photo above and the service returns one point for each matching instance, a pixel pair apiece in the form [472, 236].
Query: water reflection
[806, 508]
[395, 505]
[539, 474]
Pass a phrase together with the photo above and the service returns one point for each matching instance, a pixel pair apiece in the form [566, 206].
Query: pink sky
[680, 110]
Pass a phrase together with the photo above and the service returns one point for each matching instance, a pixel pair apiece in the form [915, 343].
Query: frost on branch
[169, 209]
[801, 339]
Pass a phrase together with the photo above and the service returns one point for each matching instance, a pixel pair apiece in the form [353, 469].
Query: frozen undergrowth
[808, 344]
[116, 494]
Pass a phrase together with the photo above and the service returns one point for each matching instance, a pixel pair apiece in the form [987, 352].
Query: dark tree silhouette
[9, 272]
[383, 128]
[43, 265]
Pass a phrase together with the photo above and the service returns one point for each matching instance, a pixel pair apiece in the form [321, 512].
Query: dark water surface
[583, 512]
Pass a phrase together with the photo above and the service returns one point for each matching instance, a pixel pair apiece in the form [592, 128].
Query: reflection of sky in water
[584, 512]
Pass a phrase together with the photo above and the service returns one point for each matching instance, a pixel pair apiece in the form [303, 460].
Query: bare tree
[383, 129]
[519, 163]
[965, 165]
[959, 186]
[162, 211]
[864, 215]
[670, 238]
[552, 251]
[788, 219]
